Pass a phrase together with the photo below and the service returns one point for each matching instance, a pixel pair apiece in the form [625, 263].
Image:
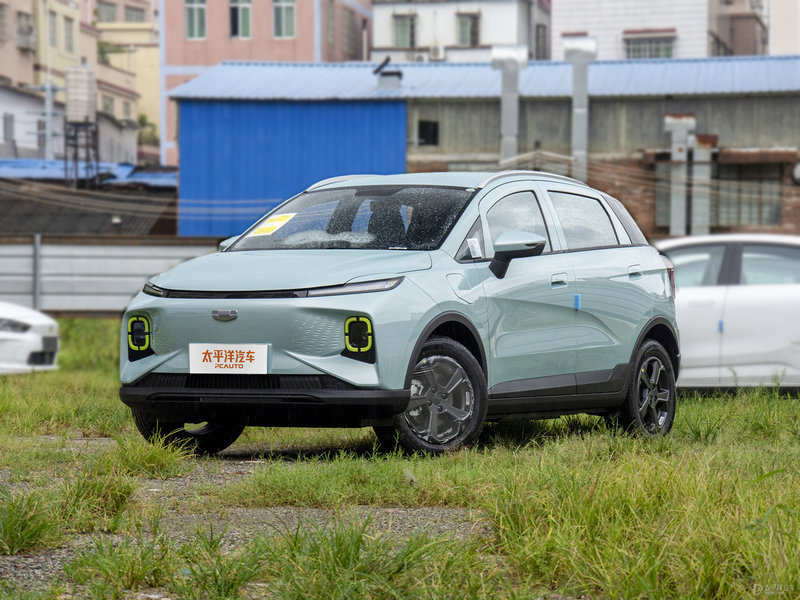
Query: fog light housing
[359, 339]
[139, 343]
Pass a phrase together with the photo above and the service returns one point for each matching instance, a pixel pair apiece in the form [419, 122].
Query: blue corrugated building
[253, 134]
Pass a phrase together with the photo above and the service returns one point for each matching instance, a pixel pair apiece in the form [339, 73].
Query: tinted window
[517, 212]
[764, 264]
[584, 220]
[697, 266]
[380, 217]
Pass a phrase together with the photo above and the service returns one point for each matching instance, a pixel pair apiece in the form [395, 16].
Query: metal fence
[94, 276]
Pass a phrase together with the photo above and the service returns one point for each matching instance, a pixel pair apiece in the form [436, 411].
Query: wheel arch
[455, 326]
[661, 330]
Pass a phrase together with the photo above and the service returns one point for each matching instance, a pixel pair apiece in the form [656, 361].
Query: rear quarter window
[585, 222]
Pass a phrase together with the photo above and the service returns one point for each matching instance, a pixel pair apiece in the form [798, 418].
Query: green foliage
[25, 522]
[147, 559]
[158, 459]
[93, 501]
[346, 561]
[209, 573]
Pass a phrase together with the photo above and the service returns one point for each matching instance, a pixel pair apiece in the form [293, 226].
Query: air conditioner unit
[437, 53]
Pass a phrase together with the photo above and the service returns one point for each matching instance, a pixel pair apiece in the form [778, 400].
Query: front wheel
[447, 409]
[205, 438]
[649, 408]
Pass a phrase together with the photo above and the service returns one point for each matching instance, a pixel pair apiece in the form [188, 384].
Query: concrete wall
[75, 277]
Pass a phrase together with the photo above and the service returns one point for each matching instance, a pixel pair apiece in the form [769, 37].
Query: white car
[738, 308]
[28, 340]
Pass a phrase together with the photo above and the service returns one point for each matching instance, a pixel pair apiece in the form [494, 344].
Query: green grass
[567, 507]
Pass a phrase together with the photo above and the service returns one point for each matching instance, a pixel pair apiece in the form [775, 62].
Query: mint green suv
[422, 305]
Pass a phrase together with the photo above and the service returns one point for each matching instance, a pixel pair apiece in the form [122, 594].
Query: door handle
[558, 280]
[635, 271]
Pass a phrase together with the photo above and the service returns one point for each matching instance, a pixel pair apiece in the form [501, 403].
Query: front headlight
[380, 285]
[152, 290]
[12, 326]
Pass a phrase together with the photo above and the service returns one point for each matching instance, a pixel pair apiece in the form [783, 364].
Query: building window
[25, 33]
[195, 19]
[52, 25]
[240, 18]
[404, 34]
[108, 105]
[542, 50]
[428, 133]
[746, 195]
[3, 22]
[331, 21]
[126, 110]
[8, 127]
[283, 18]
[106, 12]
[649, 47]
[69, 35]
[468, 28]
[349, 34]
[134, 14]
[716, 47]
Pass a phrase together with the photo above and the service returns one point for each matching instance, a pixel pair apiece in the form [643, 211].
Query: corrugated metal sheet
[355, 81]
[87, 277]
[240, 159]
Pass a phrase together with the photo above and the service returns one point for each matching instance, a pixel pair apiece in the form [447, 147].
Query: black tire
[454, 416]
[649, 408]
[208, 439]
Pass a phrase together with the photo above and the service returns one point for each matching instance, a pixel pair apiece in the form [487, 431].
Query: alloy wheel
[654, 395]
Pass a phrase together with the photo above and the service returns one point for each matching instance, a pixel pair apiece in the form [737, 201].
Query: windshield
[379, 217]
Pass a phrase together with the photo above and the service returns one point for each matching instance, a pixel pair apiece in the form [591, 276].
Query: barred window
[468, 30]
[134, 14]
[106, 12]
[404, 31]
[649, 47]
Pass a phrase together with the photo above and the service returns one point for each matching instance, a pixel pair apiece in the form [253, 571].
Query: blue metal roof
[539, 79]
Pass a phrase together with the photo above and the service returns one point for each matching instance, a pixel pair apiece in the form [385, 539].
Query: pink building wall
[320, 30]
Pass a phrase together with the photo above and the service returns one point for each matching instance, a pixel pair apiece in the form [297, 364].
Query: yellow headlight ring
[131, 345]
[347, 343]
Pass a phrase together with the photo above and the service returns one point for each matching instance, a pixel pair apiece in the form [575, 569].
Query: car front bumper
[263, 400]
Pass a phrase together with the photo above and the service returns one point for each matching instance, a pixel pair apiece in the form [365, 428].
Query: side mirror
[225, 244]
[514, 244]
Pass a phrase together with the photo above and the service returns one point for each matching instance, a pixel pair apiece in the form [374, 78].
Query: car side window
[769, 264]
[472, 247]
[517, 212]
[585, 222]
[697, 266]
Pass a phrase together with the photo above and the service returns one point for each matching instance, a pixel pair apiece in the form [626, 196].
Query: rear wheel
[202, 438]
[447, 409]
[649, 408]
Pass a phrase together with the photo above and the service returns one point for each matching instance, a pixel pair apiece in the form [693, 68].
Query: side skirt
[592, 391]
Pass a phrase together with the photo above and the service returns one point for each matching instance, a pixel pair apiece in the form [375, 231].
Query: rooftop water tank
[81, 100]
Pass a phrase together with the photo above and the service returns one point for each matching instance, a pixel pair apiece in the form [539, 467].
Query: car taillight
[670, 272]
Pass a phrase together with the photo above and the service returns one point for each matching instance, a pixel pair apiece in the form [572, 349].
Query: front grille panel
[243, 382]
[41, 359]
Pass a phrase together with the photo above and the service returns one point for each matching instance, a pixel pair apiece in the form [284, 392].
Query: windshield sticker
[474, 248]
[272, 224]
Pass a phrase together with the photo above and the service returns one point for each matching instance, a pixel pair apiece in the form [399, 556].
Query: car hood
[262, 270]
[23, 314]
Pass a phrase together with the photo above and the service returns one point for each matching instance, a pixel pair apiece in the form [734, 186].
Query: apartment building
[784, 25]
[634, 29]
[458, 30]
[198, 34]
[39, 41]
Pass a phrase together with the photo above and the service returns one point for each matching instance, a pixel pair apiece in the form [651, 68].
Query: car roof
[460, 179]
[728, 238]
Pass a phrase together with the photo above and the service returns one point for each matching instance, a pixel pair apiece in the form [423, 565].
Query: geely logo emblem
[223, 315]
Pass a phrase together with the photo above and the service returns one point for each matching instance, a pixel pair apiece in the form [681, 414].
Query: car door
[613, 282]
[701, 287]
[530, 314]
[760, 323]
